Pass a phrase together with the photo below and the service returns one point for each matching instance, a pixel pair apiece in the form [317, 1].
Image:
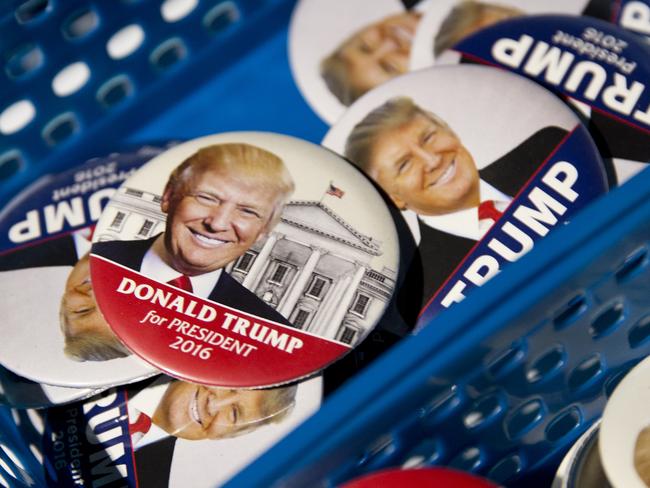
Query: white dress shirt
[146, 402]
[462, 223]
[155, 268]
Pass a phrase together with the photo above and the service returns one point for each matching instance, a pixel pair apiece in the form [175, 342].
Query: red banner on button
[200, 340]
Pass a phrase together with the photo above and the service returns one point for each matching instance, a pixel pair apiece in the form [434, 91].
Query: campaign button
[624, 438]
[19, 392]
[421, 477]
[167, 432]
[339, 50]
[601, 69]
[482, 163]
[447, 22]
[244, 260]
[54, 333]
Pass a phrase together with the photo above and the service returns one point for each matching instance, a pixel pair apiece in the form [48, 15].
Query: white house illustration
[314, 268]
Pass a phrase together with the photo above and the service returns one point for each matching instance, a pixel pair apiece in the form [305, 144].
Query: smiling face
[78, 305]
[424, 167]
[488, 16]
[374, 54]
[213, 218]
[195, 412]
[468, 17]
[87, 335]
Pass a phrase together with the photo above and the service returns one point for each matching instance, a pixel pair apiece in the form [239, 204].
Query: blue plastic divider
[231, 76]
[472, 389]
[501, 385]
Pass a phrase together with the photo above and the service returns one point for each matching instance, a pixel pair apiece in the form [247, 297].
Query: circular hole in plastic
[442, 404]
[506, 360]
[470, 459]
[506, 469]
[426, 452]
[31, 10]
[482, 411]
[546, 365]
[221, 17]
[563, 424]
[24, 60]
[36, 452]
[608, 320]
[168, 53]
[10, 164]
[70, 79]
[382, 445]
[586, 373]
[80, 24]
[525, 418]
[414, 462]
[571, 311]
[36, 420]
[613, 381]
[639, 333]
[125, 41]
[175, 10]
[11, 455]
[60, 128]
[633, 264]
[115, 90]
[16, 116]
[7, 469]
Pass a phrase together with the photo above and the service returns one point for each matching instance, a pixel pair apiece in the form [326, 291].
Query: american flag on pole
[335, 191]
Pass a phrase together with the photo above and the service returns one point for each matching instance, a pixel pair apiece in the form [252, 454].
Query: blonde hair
[337, 74]
[94, 347]
[99, 344]
[335, 71]
[275, 405]
[642, 455]
[391, 115]
[462, 18]
[278, 403]
[253, 162]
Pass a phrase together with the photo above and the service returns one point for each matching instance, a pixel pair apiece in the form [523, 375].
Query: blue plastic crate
[500, 385]
[503, 384]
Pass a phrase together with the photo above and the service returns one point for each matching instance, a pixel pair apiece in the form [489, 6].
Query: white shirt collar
[146, 401]
[81, 242]
[154, 267]
[464, 223]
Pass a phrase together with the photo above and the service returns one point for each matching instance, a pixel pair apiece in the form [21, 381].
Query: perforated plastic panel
[500, 385]
[79, 77]
[504, 383]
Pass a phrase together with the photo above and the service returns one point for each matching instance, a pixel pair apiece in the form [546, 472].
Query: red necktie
[487, 210]
[183, 282]
[141, 425]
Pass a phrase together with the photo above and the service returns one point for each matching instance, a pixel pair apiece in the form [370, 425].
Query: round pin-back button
[631, 15]
[244, 260]
[446, 22]
[338, 50]
[19, 392]
[601, 69]
[581, 466]
[483, 164]
[421, 477]
[54, 333]
[624, 439]
[169, 433]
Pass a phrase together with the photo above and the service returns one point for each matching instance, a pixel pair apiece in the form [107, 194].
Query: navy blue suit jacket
[441, 252]
[227, 291]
